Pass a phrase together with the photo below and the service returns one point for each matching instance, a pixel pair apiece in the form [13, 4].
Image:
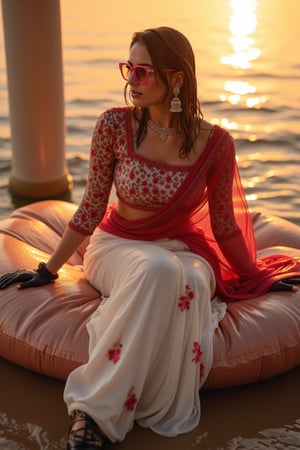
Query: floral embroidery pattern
[185, 300]
[114, 353]
[139, 182]
[131, 401]
[142, 184]
[197, 352]
[222, 217]
[197, 358]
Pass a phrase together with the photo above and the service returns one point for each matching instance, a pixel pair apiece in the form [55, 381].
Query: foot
[84, 433]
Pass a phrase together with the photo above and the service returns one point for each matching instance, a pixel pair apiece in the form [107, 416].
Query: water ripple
[284, 438]
[27, 436]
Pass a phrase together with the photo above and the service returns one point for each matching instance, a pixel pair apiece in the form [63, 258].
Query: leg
[138, 339]
[189, 354]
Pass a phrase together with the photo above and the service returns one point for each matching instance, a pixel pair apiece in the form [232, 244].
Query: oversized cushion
[44, 329]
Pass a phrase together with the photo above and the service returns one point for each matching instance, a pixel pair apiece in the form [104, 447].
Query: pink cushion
[43, 329]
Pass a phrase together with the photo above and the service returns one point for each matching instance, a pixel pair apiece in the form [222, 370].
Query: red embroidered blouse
[203, 205]
[140, 182]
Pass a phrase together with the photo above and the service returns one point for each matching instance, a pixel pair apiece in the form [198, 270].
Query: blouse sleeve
[220, 194]
[100, 177]
[229, 212]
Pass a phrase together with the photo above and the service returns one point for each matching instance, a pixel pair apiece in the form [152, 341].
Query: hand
[287, 284]
[28, 278]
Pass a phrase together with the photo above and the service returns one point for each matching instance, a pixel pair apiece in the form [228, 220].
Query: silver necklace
[163, 133]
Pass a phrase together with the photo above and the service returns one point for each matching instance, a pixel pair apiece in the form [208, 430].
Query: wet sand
[258, 416]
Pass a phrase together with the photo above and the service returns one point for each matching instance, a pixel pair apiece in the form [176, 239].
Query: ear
[177, 79]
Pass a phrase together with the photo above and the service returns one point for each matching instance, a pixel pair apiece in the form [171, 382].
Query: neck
[163, 132]
[162, 117]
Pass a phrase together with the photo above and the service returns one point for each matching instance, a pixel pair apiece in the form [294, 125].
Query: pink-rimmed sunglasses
[141, 72]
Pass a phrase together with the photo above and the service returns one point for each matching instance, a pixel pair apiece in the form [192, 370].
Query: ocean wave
[225, 107]
[85, 101]
[25, 436]
[5, 165]
[272, 141]
[284, 438]
[290, 73]
[75, 129]
[102, 61]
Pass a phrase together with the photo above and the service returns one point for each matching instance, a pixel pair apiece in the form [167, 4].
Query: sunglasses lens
[141, 74]
[126, 71]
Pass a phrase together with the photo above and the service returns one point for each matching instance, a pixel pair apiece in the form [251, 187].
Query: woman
[178, 235]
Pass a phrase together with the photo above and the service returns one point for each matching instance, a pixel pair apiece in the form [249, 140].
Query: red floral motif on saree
[131, 401]
[114, 353]
[185, 300]
[197, 352]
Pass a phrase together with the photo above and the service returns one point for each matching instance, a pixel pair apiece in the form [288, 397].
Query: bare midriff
[129, 213]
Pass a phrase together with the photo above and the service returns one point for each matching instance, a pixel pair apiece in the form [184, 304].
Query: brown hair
[169, 48]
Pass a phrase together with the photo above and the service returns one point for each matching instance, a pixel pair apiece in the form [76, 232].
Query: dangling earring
[176, 103]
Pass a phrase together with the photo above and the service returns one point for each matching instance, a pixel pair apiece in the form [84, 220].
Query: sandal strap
[88, 434]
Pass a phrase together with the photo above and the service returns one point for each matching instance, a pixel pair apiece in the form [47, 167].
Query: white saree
[151, 339]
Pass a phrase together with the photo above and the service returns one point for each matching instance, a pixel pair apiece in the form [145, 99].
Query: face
[154, 91]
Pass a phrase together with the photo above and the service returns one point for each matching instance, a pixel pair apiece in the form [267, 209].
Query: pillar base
[40, 191]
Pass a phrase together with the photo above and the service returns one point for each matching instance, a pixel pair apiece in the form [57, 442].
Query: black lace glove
[28, 278]
[287, 284]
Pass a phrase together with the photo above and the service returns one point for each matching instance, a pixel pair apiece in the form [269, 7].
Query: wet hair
[169, 48]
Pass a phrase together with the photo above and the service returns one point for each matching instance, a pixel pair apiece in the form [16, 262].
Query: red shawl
[192, 217]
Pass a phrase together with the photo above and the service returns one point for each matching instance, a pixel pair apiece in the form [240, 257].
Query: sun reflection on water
[242, 26]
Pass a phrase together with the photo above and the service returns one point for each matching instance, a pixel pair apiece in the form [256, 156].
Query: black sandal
[86, 437]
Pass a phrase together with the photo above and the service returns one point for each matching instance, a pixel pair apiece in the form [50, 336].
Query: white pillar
[32, 33]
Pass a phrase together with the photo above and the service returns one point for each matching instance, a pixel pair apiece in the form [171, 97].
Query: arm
[88, 214]
[236, 251]
[45, 273]
[96, 195]
[70, 241]
[228, 208]
[226, 200]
